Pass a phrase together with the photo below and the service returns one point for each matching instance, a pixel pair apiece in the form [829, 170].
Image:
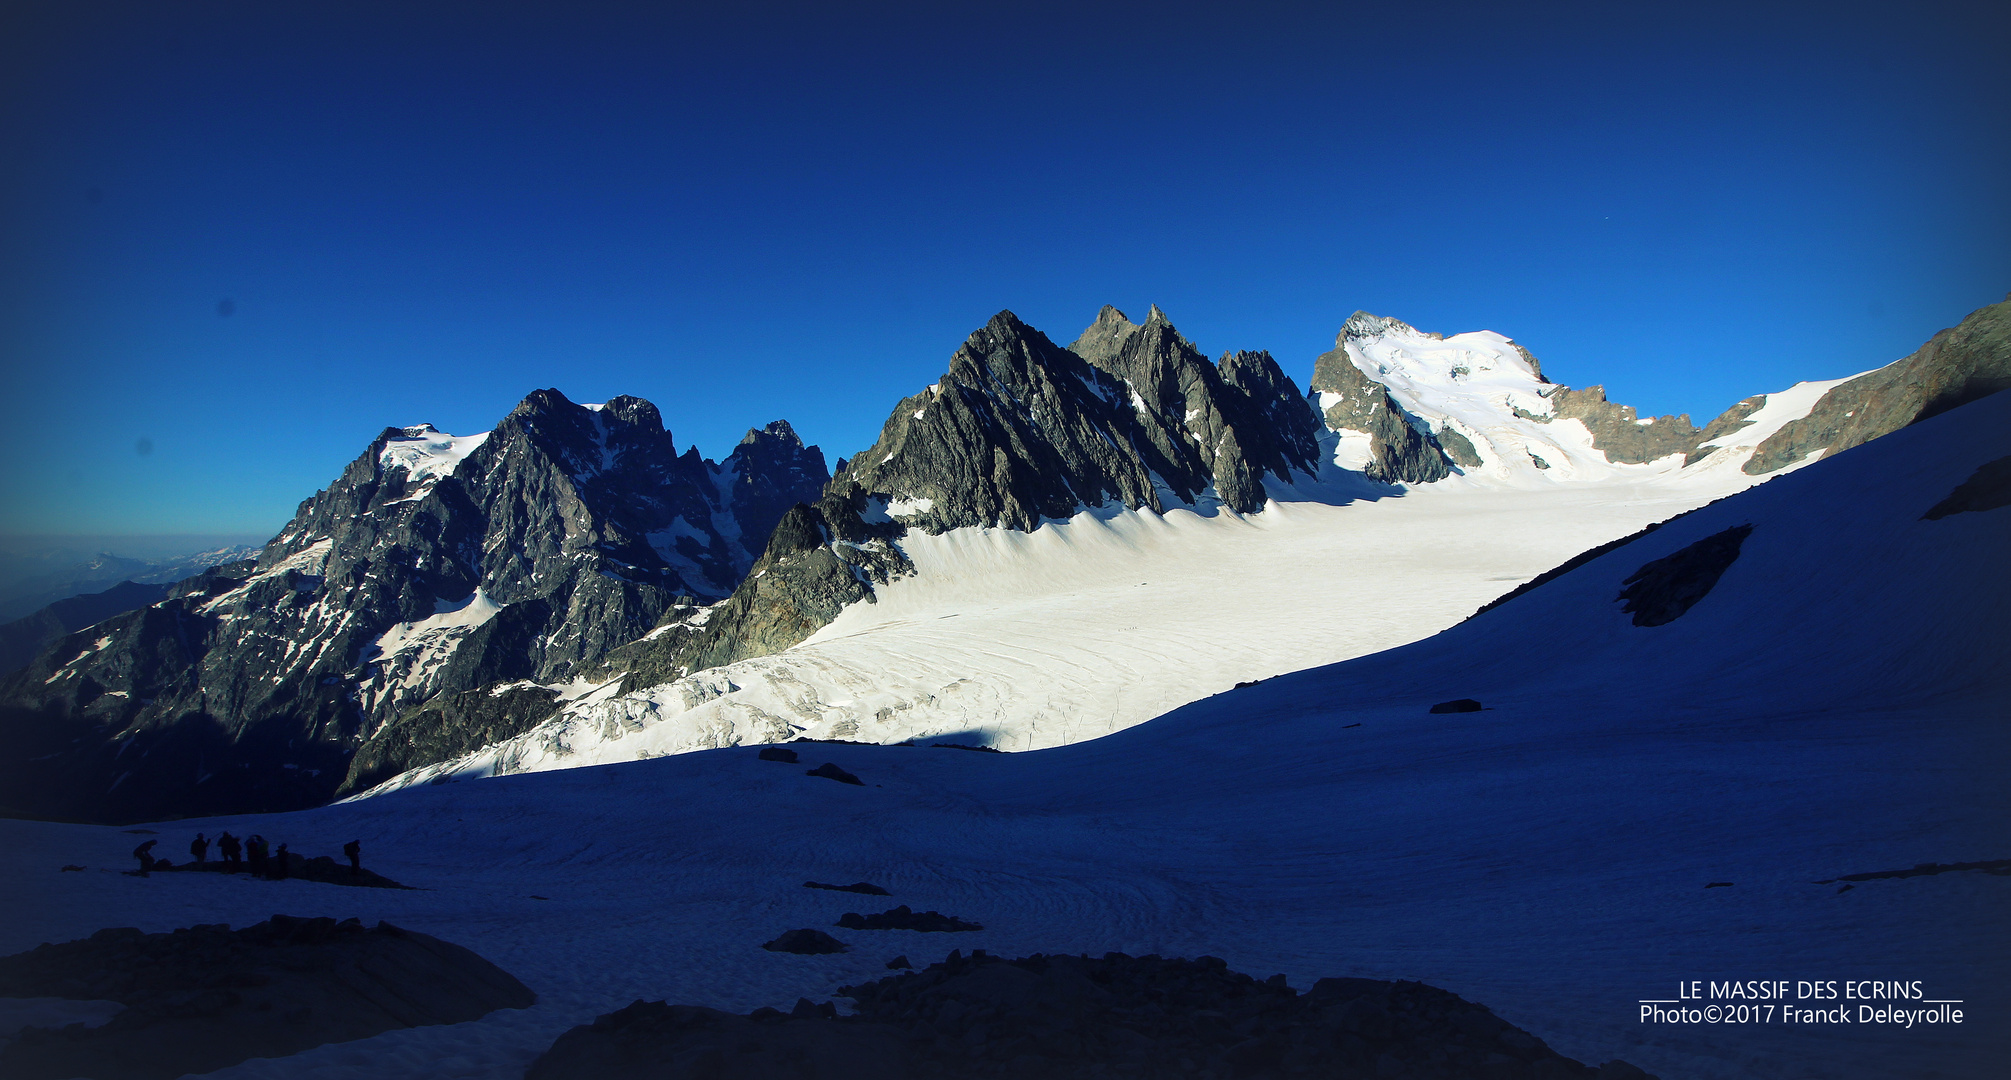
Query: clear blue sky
[420, 212]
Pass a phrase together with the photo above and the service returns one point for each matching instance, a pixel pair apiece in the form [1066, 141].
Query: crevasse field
[1837, 704]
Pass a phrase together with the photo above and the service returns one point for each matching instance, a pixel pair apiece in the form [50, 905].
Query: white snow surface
[407, 658]
[1835, 705]
[426, 453]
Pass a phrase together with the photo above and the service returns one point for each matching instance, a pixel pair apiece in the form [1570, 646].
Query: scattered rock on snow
[831, 771]
[205, 997]
[1068, 1016]
[1662, 590]
[902, 918]
[1988, 488]
[867, 888]
[806, 942]
[1465, 704]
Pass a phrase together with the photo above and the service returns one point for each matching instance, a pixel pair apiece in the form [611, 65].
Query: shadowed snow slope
[1834, 705]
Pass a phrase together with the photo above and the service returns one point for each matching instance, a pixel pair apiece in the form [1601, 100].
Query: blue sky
[423, 212]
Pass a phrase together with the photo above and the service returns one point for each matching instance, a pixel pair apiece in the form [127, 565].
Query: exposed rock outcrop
[1617, 431]
[1988, 488]
[1956, 366]
[205, 997]
[1020, 430]
[1403, 450]
[1071, 1016]
[1661, 591]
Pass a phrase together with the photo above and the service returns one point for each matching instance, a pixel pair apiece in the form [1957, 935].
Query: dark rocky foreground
[204, 997]
[1070, 1016]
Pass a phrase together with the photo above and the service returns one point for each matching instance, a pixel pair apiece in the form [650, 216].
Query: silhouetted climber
[354, 849]
[145, 853]
[279, 864]
[199, 847]
[232, 852]
[254, 846]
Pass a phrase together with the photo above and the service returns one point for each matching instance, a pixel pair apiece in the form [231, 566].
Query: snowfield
[1835, 705]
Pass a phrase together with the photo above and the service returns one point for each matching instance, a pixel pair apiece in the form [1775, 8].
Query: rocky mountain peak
[1105, 337]
[769, 472]
[633, 412]
[1364, 325]
[777, 431]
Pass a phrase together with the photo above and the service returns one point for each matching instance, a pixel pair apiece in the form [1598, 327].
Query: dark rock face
[1617, 431]
[1020, 430]
[1457, 705]
[1956, 366]
[203, 998]
[446, 727]
[777, 753]
[771, 470]
[1988, 488]
[1661, 591]
[431, 567]
[1069, 1016]
[21, 639]
[904, 918]
[1405, 451]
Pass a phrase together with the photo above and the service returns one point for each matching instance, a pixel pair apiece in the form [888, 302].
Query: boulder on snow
[831, 771]
[1465, 704]
[806, 942]
[777, 753]
[902, 918]
[205, 997]
[1065, 1017]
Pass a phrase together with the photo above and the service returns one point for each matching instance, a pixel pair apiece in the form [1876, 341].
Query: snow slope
[1835, 705]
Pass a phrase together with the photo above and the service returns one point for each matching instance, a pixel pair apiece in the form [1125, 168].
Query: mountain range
[568, 589]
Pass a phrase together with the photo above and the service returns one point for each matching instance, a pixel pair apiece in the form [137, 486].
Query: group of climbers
[264, 861]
